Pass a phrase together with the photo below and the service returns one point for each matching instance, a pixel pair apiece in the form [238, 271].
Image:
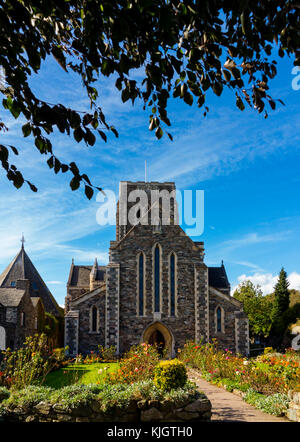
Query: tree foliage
[184, 47]
[281, 303]
[256, 306]
[291, 315]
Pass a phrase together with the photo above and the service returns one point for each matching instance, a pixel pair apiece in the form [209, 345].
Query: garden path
[228, 406]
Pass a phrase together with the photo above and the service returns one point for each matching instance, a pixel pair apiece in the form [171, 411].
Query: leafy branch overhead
[184, 48]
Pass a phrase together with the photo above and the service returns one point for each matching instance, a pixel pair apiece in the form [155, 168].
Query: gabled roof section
[21, 267]
[80, 275]
[217, 277]
[36, 300]
[10, 297]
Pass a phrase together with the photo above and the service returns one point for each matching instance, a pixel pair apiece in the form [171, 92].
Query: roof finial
[222, 263]
[145, 171]
[22, 240]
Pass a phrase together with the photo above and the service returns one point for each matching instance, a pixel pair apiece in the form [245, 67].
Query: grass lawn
[79, 374]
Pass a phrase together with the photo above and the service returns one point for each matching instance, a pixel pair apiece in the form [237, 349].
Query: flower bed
[139, 402]
[263, 382]
[128, 393]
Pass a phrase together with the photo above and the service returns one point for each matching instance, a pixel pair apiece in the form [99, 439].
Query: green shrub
[276, 404]
[28, 396]
[109, 396]
[4, 393]
[170, 375]
[31, 363]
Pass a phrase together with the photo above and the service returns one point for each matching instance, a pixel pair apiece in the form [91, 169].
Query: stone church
[24, 299]
[156, 288]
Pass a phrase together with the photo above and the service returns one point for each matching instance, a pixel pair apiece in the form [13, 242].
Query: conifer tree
[281, 302]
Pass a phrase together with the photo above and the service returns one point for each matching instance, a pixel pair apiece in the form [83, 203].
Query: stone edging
[137, 411]
[293, 412]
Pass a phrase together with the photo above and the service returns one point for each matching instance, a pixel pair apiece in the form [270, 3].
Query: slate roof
[217, 277]
[21, 267]
[80, 275]
[10, 297]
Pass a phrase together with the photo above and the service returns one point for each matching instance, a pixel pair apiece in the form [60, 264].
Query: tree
[281, 303]
[184, 47]
[51, 328]
[291, 315]
[256, 307]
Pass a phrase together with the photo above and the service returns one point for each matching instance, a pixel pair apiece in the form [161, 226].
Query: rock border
[137, 411]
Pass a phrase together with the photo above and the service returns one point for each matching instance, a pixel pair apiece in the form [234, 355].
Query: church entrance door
[158, 339]
[158, 334]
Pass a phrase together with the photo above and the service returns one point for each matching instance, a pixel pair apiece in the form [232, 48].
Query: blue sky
[247, 166]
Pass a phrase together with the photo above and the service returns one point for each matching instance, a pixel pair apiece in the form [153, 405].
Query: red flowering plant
[136, 365]
[102, 354]
[31, 363]
[266, 374]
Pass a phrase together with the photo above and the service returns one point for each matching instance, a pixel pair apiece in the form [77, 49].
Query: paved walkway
[229, 406]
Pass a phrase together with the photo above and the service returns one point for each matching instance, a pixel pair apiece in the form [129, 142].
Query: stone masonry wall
[198, 410]
[171, 239]
[112, 305]
[242, 333]
[71, 332]
[201, 303]
[89, 340]
[293, 412]
[226, 339]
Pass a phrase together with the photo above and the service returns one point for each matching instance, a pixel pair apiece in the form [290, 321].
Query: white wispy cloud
[267, 281]
[252, 239]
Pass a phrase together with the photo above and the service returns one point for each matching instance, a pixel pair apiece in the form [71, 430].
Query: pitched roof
[80, 275]
[10, 297]
[21, 267]
[217, 277]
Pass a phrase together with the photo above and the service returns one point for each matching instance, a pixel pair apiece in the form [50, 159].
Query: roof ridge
[6, 271]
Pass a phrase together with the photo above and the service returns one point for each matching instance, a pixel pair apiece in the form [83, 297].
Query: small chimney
[23, 284]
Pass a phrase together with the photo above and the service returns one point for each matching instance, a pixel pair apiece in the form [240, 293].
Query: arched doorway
[2, 338]
[158, 334]
[157, 338]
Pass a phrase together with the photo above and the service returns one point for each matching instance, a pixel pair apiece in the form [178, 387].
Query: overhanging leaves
[176, 45]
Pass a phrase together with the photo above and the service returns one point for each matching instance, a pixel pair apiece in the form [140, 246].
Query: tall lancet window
[219, 319]
[94, 319]
[141, 283]
[156, 279]
[172, 284]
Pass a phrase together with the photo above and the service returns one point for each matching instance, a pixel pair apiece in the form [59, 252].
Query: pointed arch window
[157, 265]
[172, 284]
[219, 320]
[141, 284]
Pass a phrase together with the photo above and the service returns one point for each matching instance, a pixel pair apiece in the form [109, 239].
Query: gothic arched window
[172, 285]
[141, 283]
[94, 319]
[219, 319]
[157, 279]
